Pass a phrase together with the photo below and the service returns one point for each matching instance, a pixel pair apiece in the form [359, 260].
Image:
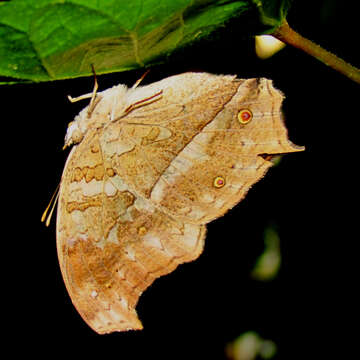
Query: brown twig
[286, 34]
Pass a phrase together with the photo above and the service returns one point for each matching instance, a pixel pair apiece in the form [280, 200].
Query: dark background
[311, 197]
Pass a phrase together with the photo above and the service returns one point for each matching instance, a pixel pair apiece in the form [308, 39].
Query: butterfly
[149, 167]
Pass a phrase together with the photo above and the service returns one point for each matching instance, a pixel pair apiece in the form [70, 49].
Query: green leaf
[42, 40]
[272, 13]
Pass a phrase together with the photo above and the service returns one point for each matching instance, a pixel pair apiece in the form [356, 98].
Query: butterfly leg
[93, 95]
[140, 80]
[146, 101]
[157, 96]
[112, 115]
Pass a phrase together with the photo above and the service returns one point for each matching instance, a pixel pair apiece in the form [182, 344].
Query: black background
[311, 197]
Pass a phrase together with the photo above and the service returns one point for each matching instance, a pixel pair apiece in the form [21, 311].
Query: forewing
[219, 165]
[174, 150]
[142, 144]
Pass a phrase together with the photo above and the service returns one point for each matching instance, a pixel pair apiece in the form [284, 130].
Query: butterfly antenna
[140, 80]
[51, 205]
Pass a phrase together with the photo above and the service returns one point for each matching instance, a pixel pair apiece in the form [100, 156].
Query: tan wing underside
[172, 150]
[112, 244]
[135, 195]
[227, 149]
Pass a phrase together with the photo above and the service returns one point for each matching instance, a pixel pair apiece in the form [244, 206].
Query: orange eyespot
[245, 116]
[219, 182]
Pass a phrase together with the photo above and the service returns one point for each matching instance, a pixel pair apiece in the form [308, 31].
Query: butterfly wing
[136, 193]
[181, 145]
[112, 243]
[144, 143]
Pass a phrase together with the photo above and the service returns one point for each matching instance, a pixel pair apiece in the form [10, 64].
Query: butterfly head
[73, 134]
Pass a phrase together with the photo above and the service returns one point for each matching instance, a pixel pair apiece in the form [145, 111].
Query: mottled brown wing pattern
[143, 144]
[113, 243]
[228, 150]
[137, 192]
